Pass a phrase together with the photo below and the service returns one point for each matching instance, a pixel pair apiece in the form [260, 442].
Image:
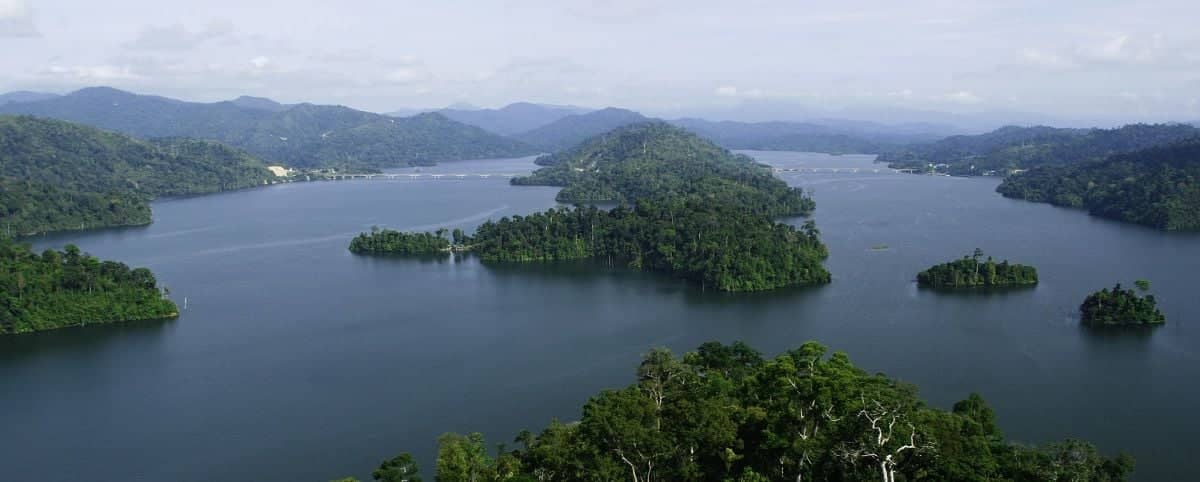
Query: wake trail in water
[469, 219]
[344, 236]
[181, 232]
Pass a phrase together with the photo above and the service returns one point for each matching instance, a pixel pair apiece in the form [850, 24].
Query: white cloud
[726, 91]
[91, 73]
[179, 38]
[260, 62]
[16, 19]
[404, 75]
[962, 97]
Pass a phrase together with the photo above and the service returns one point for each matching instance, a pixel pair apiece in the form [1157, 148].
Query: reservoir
[296, 360]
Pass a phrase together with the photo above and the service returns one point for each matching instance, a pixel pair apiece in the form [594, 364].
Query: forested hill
[303, 135]
[57, 175]
[571, 130]
[658, 160]
[1157, 187]
[1010, 148]
[727, 413]
[689, 208]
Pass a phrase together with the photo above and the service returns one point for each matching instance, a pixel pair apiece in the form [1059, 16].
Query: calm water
[298, 361]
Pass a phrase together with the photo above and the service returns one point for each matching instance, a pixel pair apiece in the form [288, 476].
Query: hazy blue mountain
[259, 103]
[300, 135]
[785, 136]
[574, 129]
[24, 96]
[513, 118]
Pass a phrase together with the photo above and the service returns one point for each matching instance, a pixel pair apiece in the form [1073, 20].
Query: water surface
[297, 361]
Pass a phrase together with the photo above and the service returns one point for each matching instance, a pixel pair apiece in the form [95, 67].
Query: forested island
[387, 241]
[970, 272]
[1012, 148]
[687, 208]
[656, 160]
[57, 289]
[56, 175]
[1120, 307]
[1157, 187]
[724, 412]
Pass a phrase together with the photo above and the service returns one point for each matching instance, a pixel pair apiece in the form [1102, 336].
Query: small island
[387, 241]
[57, 289]
[1120, 307]
[970, 272]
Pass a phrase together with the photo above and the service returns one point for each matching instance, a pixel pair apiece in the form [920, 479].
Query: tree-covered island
[688, 208]
[57, 289]
[970, 272]
[387, 241]
[1120, 307]
[726, 413]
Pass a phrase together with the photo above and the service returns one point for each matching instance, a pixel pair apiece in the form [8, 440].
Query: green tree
[401, 468]
[462, 458]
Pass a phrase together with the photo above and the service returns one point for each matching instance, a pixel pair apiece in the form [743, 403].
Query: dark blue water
[298, 361]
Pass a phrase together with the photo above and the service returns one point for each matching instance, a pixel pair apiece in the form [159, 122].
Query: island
[57, 289]
[387, 241]
[686, 207]
[1120, 307]
[725, 412]
[970, 272]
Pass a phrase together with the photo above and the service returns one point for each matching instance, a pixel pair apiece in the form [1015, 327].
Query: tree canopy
[1120, 307]
[57, 175]
[1157, 187]
[970, 272]
[58, 289]
[724, 412]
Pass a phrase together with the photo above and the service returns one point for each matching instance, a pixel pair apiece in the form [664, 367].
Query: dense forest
[387, 241]
[658, 160]
[715, 246]
[1011, 148]
[69, 288]
[688, 208]
[1157, 187]
[724, 412]
[303, 135]
[1120, 307]
[57, 175]
[970, 272]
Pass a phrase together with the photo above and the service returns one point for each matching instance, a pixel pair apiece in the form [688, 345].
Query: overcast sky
[1082, 59]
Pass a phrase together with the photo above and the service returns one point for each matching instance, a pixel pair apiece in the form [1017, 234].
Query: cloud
[90, 73]
[176, 37]
[16, 19]
[962, 97]
[260, 62]
[733, 91]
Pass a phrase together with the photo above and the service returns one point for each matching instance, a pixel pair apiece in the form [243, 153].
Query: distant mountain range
[1010, 148]
[555, 128]
[302, 135]
[24, 96]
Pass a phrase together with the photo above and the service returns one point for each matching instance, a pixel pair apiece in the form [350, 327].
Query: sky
[1095, 60]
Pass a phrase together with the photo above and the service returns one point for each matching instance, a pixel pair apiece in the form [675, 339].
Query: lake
[296, 360]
